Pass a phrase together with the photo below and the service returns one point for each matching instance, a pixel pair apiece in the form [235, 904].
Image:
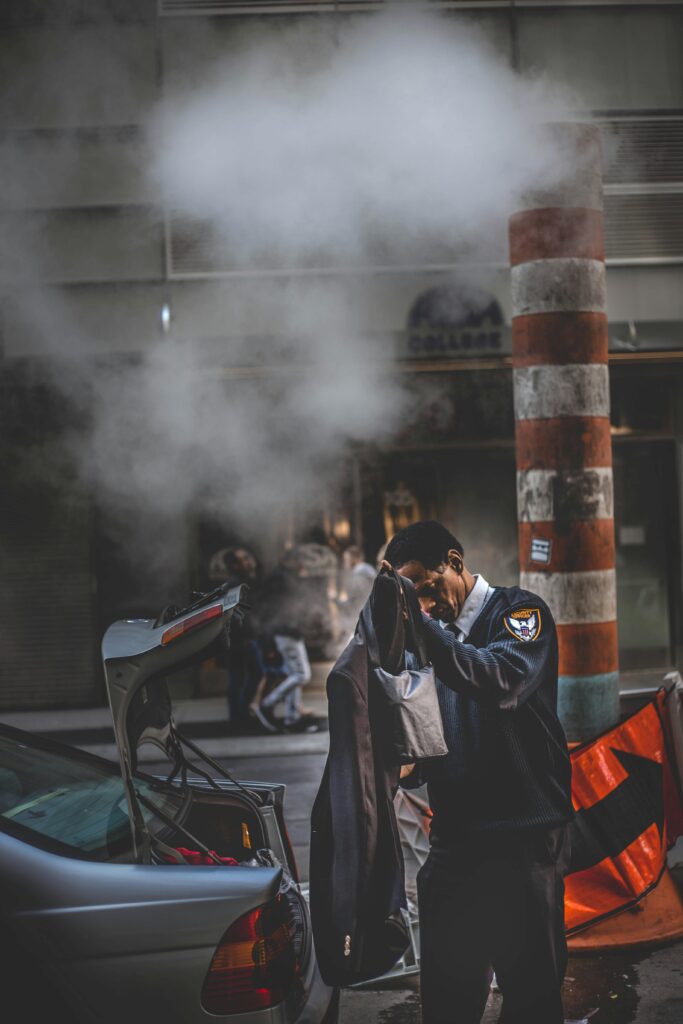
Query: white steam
[390, 139]
[394, 136]
[174, 431]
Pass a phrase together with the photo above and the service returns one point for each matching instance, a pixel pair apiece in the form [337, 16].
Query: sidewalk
[203, 719]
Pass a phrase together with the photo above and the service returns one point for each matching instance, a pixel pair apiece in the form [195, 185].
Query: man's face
[349, 559]
[441, 591]
[244, 564]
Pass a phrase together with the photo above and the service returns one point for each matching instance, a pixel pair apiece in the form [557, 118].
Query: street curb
[74, 724]
[228, 747]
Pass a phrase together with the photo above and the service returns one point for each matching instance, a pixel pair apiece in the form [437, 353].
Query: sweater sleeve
[508, 669]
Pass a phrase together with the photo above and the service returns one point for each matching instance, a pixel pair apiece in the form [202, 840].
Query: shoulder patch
[523, 623]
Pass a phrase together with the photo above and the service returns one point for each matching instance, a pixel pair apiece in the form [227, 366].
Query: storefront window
[645, 514]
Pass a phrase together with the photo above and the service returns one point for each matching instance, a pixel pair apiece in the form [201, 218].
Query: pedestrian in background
[284, 658]
[287, 670]
[235, 566]
[311, 568]
[359, 575]
[357, 578]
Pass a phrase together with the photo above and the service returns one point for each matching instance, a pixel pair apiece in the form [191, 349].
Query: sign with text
[446, 322]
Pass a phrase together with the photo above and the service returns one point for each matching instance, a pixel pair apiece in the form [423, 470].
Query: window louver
[46, 602]
[644, 228]
[643, 189]
[643, 206]
[643, 151]
[179, 8]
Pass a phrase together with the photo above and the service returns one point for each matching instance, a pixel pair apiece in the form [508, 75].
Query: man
[292, 673]
[285, 666]
[357, 579]
[491, 893]
[238, 565]
[357, 571]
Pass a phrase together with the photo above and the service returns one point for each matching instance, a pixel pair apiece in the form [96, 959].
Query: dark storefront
[456, 462]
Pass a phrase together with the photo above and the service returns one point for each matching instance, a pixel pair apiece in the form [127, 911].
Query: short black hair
[427, 541]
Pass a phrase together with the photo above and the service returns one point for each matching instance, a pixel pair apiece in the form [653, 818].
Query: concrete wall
[83, 232]
[616, 58]
[84, 212]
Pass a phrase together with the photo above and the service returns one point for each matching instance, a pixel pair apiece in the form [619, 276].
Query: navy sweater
[508, 765]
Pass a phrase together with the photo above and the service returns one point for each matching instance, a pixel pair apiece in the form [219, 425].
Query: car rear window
[57, 800]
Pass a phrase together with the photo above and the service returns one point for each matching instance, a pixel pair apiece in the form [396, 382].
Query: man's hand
[406, 769]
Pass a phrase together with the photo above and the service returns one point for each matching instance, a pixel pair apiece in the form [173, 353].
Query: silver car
[131, 897]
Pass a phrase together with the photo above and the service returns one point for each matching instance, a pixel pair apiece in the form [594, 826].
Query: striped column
[564, 453]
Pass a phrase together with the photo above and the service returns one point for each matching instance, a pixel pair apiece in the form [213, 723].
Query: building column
[564, 451]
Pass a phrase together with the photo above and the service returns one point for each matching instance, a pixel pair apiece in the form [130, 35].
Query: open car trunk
[220, 820]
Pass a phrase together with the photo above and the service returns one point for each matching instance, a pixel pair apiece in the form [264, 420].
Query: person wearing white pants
[297, 669]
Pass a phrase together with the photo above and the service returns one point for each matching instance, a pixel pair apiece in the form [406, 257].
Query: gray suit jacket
[356, 869]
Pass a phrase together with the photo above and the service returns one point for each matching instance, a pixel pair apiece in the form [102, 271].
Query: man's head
[352, 556]
[429, 555]
[241, 563]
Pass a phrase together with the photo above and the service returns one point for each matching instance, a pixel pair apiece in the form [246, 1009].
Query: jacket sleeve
[505, 672]
[352, 800]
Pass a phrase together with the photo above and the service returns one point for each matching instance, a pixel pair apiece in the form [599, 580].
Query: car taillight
[258, 960]
[173, 632]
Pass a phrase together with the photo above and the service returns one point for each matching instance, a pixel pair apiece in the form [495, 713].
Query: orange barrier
[629, 811]
[654, 920]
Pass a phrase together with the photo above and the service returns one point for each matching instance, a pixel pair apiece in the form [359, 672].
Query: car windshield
[54, 799]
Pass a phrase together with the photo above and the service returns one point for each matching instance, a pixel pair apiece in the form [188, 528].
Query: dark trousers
[494, 903]
[245, 669]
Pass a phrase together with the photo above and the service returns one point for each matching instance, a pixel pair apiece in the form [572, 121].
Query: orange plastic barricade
[629, 811]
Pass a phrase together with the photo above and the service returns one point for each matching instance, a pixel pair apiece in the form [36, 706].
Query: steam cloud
[396, 138]
[396, 132]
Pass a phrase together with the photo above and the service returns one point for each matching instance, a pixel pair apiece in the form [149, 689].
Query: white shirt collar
[474, 602]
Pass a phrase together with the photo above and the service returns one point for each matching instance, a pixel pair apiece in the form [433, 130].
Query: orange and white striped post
[564, 453]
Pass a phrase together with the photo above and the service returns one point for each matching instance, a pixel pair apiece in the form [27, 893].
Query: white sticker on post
[541, 550]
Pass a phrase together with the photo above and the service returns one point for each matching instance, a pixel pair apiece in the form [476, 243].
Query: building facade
[99, 245]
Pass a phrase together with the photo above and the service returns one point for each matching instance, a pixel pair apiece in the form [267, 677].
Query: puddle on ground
[599, 989]
[617, 988]
[406, 1012]
[602, 989]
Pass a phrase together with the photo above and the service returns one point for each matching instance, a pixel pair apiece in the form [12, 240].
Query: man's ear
[455, 561]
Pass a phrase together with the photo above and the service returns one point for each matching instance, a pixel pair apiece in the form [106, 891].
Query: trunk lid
[138, 655]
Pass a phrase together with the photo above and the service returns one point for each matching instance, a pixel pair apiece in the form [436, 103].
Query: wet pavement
[602, 990]
[645, 987]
